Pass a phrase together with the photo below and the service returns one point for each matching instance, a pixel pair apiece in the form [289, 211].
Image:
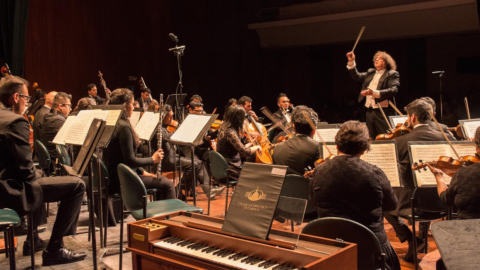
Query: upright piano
[183, 240]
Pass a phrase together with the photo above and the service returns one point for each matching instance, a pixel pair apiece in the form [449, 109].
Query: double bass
[277, 123]
[107, 91]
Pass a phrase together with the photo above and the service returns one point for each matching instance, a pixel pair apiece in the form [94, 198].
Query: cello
[277, 123]
[264, 155]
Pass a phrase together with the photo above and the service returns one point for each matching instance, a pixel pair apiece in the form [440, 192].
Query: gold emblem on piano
[255, 195]
[139, 237]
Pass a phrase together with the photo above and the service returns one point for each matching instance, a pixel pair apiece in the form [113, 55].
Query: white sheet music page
[384, 156]
[150, 127]
[64, 130]
[142, 123]
[112, 117]
[328, 134]
[135, 118]
[190, 128]
[80, 127]
[470, 127]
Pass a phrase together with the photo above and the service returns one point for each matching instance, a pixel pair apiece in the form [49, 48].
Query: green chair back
[218, 165]
[44, 159]
[62, 155]
[8, 217]
[133, 189]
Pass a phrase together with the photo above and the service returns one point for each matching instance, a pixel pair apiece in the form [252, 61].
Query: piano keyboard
[220, 256]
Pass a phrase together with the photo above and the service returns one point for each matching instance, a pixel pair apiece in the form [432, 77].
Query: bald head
[49, 98]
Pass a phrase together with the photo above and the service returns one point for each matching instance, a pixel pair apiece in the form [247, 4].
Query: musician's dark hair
[353, 138]
[122, 96]
[60, 98]
[9, 86]
[476, 140]
[196, 97]
[430, 101]
[84, 104]
[151, 106]
[389, 62]
[420, 109]
[243, 100]
[90, 86]
[166, 109]
[194, 104]
[229, 103]
[234, 118]
[143, 90]
[280, 96]
[299, 120]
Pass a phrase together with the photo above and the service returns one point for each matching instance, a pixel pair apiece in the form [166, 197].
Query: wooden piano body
[143, 234]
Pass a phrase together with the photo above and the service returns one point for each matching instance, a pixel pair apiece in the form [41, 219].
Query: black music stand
[176, 101]
[191, 134]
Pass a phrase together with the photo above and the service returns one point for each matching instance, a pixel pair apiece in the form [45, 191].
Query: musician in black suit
[379, 85]
[38, 117]
[93, 93]
[121, 149]
[300, 151]
[22, 190]
[144, 99]
[432, 123]
[419, 119]
[53, 121]
[283, 114]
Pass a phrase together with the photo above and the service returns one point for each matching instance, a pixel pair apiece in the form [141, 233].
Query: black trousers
[376, 123]
[402, 230]
[68, 190]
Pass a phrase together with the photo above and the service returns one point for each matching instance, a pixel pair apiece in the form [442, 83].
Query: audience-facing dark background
[68, 42]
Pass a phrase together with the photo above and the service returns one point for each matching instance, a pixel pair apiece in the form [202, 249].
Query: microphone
[438, 72]
[178, 48]
[173, 37]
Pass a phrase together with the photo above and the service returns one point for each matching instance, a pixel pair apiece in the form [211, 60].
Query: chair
[219, 170]
[429, 206]
[370, 253]
[8, 220]
[62, 154]
[296, 186]
[44, 159]
[134, 197]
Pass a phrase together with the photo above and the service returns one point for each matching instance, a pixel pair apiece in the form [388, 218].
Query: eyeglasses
[27, 98]
[69, 105]
[198, 111]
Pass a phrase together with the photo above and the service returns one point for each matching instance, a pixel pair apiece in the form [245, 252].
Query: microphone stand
[178, 51]
[440, 75]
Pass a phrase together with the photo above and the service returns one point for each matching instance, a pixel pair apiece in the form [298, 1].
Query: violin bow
[384, 116]
[276, 122]
[313, 127]
[444, 135]
[466, 108]
[396, 109]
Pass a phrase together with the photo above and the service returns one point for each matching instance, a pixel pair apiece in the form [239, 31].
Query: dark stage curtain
[13, 30]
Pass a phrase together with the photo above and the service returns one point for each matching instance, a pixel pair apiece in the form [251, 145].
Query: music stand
[176, 101]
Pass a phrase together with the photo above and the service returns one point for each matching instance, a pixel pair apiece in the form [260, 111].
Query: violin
[216, 125]
[5, 70]
[448, 165]
[399, 130]
[309, 171]
[172, 126]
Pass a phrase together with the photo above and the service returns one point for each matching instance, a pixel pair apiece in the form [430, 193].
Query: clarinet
[160, 135]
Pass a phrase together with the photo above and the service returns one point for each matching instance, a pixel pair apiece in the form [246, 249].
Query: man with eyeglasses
[379, 86]
[20, 187]
[40, 114]
[283, 114]
[54, 120]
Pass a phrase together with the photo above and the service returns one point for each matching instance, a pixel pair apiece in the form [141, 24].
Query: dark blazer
[297, 153]
[19, 189]
[121, 149]
[140, 102]
[52, 122]
[387, 85]
[404, 195]
[444, 128]
[38, 119]
[99, 100]
[169, 151]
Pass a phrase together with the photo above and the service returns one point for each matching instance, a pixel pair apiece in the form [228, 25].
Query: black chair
[370, 254]
[44, 160]
[8, 220]
[427, 207]
[134, 197]
[219, 170]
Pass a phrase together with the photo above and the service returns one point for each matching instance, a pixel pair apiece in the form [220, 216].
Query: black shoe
[215, 192]
[84, 202]
[61, 256]
[410, 256]
[39, 245]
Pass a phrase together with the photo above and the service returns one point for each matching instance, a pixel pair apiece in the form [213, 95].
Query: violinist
[232, 101]
[418, 118]
[432, 124]
[351, 188]
[93, 93]
[246, 103]
[229, 143]
[83, 104]
[153, 106]
[379, 85]
[300, 151]
[283, 114]
[464, 189]
[144, 99]
[202, 150]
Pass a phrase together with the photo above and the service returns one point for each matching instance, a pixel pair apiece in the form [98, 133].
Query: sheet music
[383, 156]
[112, 117]
[142, 123]
[190, 128]
[397, 120]
[431, 152]
[82, 123]
[470, 127]
[149, 127]
[135, 118]
[100, 114]
[64, 130]
[328, 134]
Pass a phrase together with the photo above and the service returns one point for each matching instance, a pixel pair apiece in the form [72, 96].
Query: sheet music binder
[107, 133]
[93, 137]
[199, 136]
[255, 200]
